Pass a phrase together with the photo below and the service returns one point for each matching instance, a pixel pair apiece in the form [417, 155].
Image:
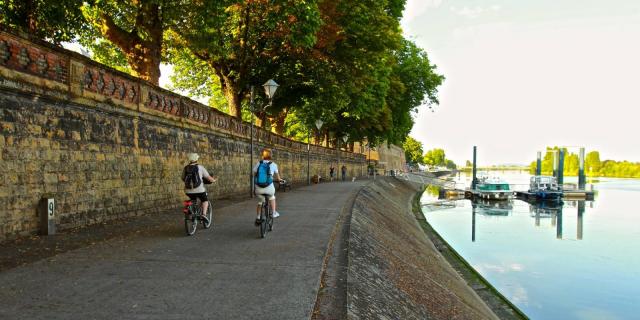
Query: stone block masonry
[107, 145]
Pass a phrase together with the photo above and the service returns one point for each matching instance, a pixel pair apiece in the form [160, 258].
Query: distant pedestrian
[332, 172]
[344, 172]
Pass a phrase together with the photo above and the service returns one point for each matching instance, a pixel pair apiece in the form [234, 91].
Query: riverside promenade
[351, 250]
[227, 272]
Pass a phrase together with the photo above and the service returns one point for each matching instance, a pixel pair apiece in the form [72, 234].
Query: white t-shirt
[200, 189]
[273, 168]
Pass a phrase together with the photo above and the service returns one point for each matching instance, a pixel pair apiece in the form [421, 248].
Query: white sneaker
[276, 214]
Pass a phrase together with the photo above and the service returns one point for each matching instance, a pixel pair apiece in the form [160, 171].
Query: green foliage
[106, 53]
[413, 151]
[52, 20]
[450, 164]
[435, 157]
[342, 61]
[593, 166]
[130, 35]
[247, 42]
[413, 79]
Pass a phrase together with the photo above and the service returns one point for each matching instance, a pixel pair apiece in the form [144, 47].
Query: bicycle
[192, 215]
[266, 217]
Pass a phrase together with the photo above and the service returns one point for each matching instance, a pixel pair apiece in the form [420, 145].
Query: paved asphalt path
[227, 272]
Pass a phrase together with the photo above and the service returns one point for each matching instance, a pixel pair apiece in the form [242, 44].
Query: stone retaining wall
[395, 272]
[107, 145]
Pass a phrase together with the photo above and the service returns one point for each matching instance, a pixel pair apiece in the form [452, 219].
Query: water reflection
[492, 208]
[554, 212]
[488, 208]
[563, 276]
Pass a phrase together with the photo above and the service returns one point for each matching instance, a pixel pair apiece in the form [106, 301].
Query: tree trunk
[144, 60]
[234, 99]
[31, 22]
[279, 122]
[143, 55]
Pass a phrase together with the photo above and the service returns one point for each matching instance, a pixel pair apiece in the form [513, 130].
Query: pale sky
[522, 75]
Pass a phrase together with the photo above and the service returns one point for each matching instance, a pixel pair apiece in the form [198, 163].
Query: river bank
[498, 303]
[394, 270]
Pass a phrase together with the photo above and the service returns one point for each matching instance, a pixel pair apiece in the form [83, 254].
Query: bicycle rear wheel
[191, 221]
[263, 221]
[270, 219]
[207, 222]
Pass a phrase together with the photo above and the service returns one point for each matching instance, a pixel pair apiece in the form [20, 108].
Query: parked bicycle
[193, 215]
[266, 217]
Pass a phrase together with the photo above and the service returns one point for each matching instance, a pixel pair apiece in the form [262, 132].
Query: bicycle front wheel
[190, 222]
[207, 220]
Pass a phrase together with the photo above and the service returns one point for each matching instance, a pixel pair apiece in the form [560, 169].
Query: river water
[577, 260]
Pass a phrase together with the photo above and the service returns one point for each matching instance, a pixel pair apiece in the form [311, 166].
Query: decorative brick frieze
[195, 112]
[90, 80]
[109, 84]
[5, 52]
[23, 56]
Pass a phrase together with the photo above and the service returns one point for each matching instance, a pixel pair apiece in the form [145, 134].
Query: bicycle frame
[266, 217]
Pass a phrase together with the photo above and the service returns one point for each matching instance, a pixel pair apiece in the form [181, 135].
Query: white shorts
[270, 190]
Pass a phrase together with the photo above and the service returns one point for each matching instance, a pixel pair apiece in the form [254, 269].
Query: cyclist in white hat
[193, 176]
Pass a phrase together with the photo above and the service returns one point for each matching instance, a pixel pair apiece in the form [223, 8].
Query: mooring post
[561, 168]
[581, 178]
[559, 224]
[555, 163]
[581, 206]
[473, 180]
[473, 222]
[539, 164]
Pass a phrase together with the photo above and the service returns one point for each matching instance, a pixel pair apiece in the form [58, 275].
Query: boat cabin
[543, 183]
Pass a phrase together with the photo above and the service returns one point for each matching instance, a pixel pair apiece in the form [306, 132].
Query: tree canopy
[413, 151]
[54, 21]
[593, 166]
[344, 62]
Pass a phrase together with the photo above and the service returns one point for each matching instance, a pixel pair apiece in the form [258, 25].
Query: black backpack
[191, 176]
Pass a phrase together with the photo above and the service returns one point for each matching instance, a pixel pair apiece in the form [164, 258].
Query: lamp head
[319, 124]
[270, 88]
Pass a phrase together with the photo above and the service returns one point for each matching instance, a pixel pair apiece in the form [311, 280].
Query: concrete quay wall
[395, 271]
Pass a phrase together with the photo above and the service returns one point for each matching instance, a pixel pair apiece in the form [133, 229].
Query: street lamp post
[318, 125]
[270, 88]
[344, 138]
[251, 185]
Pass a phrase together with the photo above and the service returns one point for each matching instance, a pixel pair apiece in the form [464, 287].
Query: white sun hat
[193, 157]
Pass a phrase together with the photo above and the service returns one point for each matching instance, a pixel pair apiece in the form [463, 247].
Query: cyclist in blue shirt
[269, 190]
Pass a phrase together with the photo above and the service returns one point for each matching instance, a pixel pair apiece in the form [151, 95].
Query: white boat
[492, 188]
[545, 188]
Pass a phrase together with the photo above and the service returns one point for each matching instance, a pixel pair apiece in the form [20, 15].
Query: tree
[413, 150]
[435, 157]
[592, 163]
[136, 28]
[52, 20]
[244, 41]
[412, 80]
[450, 164]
